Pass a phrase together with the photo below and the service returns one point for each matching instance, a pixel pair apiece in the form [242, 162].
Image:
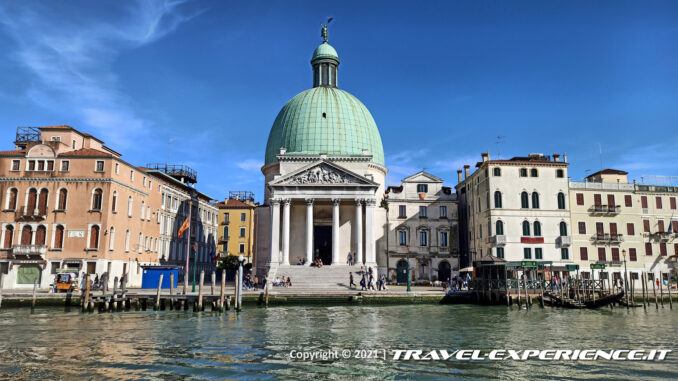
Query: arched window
[63, 198]
[9, 237]
[535, 200]
[59, 237]
[140, 245]
[127, 240]
[94, 237]
[497, 199]
[524, 200]
[40, 235]
[32, 201]
[563, 228]
[97, 197]
[537, 229]
[114, 202]
[12, 196]
[499, 227]
[561, 200]
[27, 235]
[533, 172]
[42, 202]
[146, 243]
[130, 203]
[496, 171]
[143, 209]
[111, 239]
[526, 228]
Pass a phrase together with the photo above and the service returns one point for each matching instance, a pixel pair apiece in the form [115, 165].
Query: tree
[229, 262]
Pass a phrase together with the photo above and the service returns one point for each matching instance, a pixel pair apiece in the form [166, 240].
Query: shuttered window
[628, 201]
[584, 253]
[580, 199]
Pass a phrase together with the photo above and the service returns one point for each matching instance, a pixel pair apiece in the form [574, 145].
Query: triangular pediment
[323, 173]
[422, 177]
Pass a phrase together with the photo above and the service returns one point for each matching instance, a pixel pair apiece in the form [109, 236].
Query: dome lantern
[325, 62]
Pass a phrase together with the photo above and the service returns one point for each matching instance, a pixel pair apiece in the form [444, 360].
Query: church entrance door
[401, 271]
[322, 245]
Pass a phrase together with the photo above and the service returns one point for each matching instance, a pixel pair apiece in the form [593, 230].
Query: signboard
[571, 267]
[529, 264]
[597, 266]
[76, 234]
[532, 239]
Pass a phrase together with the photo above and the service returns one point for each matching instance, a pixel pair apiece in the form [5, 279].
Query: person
[256, 282]
[372, 283]
[379, 284]
[56, 282]
[349, 260]
[289, 282]
[351, 284]
[383, 282]
[96, 281]
[362, 283]
[300, 262]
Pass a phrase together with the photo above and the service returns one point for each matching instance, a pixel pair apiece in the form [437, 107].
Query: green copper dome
[324, 119]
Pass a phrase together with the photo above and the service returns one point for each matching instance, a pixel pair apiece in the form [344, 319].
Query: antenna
[500, 139]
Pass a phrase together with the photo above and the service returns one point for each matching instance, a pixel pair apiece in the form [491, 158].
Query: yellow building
[236, 225]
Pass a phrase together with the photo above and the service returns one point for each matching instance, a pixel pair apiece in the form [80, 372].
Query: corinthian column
[370, 253]
[309, 231]
[335, 231]
[275, 232]
[359, 232]
[286, 233]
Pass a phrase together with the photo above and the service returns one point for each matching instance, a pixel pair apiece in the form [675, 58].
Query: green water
[255, 344]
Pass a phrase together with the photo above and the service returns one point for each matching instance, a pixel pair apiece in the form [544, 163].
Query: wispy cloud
[71, 59]
[250, 165]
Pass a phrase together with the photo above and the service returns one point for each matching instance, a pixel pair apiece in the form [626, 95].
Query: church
[324, 173]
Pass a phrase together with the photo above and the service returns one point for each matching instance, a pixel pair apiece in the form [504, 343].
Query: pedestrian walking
[351, 284]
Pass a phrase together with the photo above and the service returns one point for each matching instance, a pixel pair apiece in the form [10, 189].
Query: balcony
[662, 236]
[564, 241]
[497, 240]
[608, 238]
[605, 210]
[29, 250]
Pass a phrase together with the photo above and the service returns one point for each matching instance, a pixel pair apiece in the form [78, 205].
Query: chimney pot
[556, 157]
[459, 175]
[466, 171]
[565, 158]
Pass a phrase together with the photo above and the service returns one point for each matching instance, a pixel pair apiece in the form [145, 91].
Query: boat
[604, 301]
[457, 297]
[553, 299]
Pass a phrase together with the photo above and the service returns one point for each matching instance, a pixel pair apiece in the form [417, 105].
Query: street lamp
[626, 279]
[195, 263]
[241, 260]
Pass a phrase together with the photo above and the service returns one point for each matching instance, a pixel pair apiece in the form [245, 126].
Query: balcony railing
[605, 209]
[662, 236]
[498, 240]
[564, 241]
[29, 250]
[608, 238]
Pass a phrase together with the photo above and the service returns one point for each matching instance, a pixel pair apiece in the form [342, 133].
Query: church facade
[324, 172]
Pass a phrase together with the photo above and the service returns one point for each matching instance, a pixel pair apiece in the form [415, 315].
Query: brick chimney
[466, 171]
[459, 175]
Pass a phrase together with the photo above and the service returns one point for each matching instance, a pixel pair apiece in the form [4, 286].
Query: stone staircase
[307, 279]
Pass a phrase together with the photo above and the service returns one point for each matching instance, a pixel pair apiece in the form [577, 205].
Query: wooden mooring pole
[157, 295]
[202, 279]
[214, 280]
[643, 283]
[654, 292]
[223, 290]
[661, 288]
[670, 298]
[1, 274]
[35, 290]
[85, 302]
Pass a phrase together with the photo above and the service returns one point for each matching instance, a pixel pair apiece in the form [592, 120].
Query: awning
[77, 261]
[466, 270]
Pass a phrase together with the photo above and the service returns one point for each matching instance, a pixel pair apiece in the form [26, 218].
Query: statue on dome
[323, 29]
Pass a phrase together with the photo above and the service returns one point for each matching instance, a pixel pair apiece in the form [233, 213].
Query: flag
[184, 226]
[213, 254]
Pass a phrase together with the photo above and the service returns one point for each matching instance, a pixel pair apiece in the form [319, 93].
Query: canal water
[255, 344]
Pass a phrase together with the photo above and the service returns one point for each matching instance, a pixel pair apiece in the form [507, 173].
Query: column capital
[370, 202]
[359, 201]
[310, 201]
[275, 201]
[336, 201]
[286, 201]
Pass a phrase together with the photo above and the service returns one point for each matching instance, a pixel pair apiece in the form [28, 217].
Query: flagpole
[188, 246]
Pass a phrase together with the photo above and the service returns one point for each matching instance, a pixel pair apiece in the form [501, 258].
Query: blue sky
[442, 79]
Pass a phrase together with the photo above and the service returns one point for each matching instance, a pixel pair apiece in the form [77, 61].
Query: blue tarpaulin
[151, 276]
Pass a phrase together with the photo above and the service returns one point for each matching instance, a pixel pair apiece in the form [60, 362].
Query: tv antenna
[500, 139]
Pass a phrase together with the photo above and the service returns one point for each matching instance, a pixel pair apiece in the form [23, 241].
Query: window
[630, 229]
[443, 239]
[243, 217]
[658, 202]
[41, 165]
[402, 237]
[643, 202]
[527, 253]
[499, 228]
[111, 239]
[600, 229]
[443, 212]
[582, 227]
[241, 248]
[537, 229]
[31, 165]
[672, 202]
[524, 200]
[584, 253]
[423, 238]
[674, 223]
[611, 202]
[59, 237]
[12, 199]
[646, 226]
[422, 212]
[63, 198]
[32, 201]
[535, 200]
[563, 228]
[117, 168]
[94, 237]
[632, 255]
[533, 172]
[99, 166]
[564, 253]
[40, 235]
[114, 202]
[538, 253]
[560, 173]
[500, 252]
[131, 175]
[628, 201]
[143, 209]
[526, 228]
[97, 196]
[662, 249]
[402, 211]
[480, 231]
[226, 218]
[561, 200]
[422, 188]
[127, 237]
[42, 202]
[242, 232]
[16, 165]
[601, 254]
[580, 199]
[648, 249]
[496, 171]
[523, 172]
[497, 199]
[615, 254]
[225, 233]
[660, 226]
[130, 204]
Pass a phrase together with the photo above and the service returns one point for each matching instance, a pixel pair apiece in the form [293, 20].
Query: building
[612, 217]
[422, 221]
[516, 209]
[324, 173]
[179, 198]
[68, 201]
[236, 225]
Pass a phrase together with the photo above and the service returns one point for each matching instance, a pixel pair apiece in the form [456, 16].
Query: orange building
[68, 201]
